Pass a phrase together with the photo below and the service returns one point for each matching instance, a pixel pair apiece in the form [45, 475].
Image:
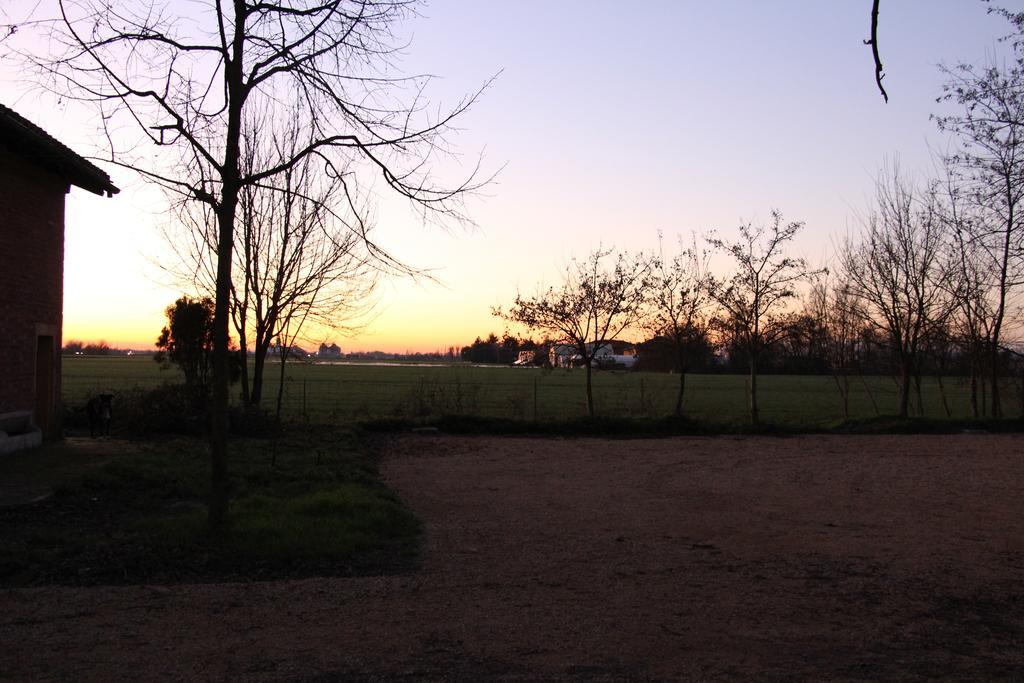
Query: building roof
[25, 138]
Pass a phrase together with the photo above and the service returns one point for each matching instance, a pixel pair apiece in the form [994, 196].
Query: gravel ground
[816, 557]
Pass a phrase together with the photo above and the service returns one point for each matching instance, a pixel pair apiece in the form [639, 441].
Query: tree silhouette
[187, 341]
[595, 304]
[990, 168]
[177, 85]
[753, 298]
[677, 303]
[898, 269]
[301, 260]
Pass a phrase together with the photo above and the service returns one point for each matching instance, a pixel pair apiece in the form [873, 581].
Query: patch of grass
[310, 505]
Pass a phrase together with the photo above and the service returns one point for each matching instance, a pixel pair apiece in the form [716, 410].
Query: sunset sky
[609, 121]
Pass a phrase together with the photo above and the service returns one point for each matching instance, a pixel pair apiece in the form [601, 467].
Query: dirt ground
[816, 557]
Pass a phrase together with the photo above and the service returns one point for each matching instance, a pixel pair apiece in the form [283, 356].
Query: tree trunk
[974, 386]
[264, 342]
[243, 356]
[230, 186]
[590, 391]
[280, 388]
[243, 360]
[754, 418]
[942, 394]
[259, 366]
[682, 379]
[906, 370]
[997, 324]
[682, 390]
[277, 414]
[218, 506]
[997, 408]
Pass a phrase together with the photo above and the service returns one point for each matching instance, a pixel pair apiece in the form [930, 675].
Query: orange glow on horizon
[400, 329]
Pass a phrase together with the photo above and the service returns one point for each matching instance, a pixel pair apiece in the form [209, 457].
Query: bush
[172, 409]
[253, 421]
[167, 409]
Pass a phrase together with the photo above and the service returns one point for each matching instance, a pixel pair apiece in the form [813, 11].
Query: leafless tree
[974, 276]
[175, 82]
[302, 262]
[972, 322]
[595, 304]
[677, 304]
[835, 311]
[990, 166]
[899, 270]
[753, 299]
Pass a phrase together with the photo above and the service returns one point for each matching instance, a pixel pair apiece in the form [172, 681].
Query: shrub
[253, 421]
[167, 409]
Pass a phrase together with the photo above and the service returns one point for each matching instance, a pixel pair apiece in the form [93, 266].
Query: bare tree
[593, 306]
[299, 262]
[899, 271]
[678, 301]
[175, 82]
[836, 313]
[990, 166]
[972, 321]
[975, 275]
[754, 298]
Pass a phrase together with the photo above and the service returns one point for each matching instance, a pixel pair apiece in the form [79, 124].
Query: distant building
[290, 352]
[561, 355]
[332, 351]
[605, 354]
[36, 171]
[525, 358]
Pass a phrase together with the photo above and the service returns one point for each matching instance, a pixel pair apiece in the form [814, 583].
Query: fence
[544, 395]
[353, 399]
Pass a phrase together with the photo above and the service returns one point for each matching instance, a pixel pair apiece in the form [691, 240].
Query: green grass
[348, 393]
[319, 510]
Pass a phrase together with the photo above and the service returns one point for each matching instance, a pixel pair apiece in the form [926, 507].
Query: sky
[607, 123]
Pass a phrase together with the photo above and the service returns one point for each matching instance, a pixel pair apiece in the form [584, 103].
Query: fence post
[305, 415]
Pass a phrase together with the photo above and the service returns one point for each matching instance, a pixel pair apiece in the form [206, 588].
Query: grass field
[343, 393]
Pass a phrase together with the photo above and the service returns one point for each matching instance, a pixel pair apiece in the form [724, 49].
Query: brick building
[36, 171]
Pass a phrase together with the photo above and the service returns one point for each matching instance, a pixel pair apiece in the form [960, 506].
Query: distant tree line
[505, 350]
[924, 290]
[807, 345]
[75, 347]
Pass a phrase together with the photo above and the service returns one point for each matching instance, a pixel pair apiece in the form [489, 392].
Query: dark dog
[99, 411]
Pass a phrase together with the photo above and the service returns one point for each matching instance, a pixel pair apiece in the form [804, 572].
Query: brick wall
[31, 274]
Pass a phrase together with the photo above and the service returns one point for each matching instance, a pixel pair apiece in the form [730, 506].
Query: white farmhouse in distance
[567, 356]
[561, 355]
